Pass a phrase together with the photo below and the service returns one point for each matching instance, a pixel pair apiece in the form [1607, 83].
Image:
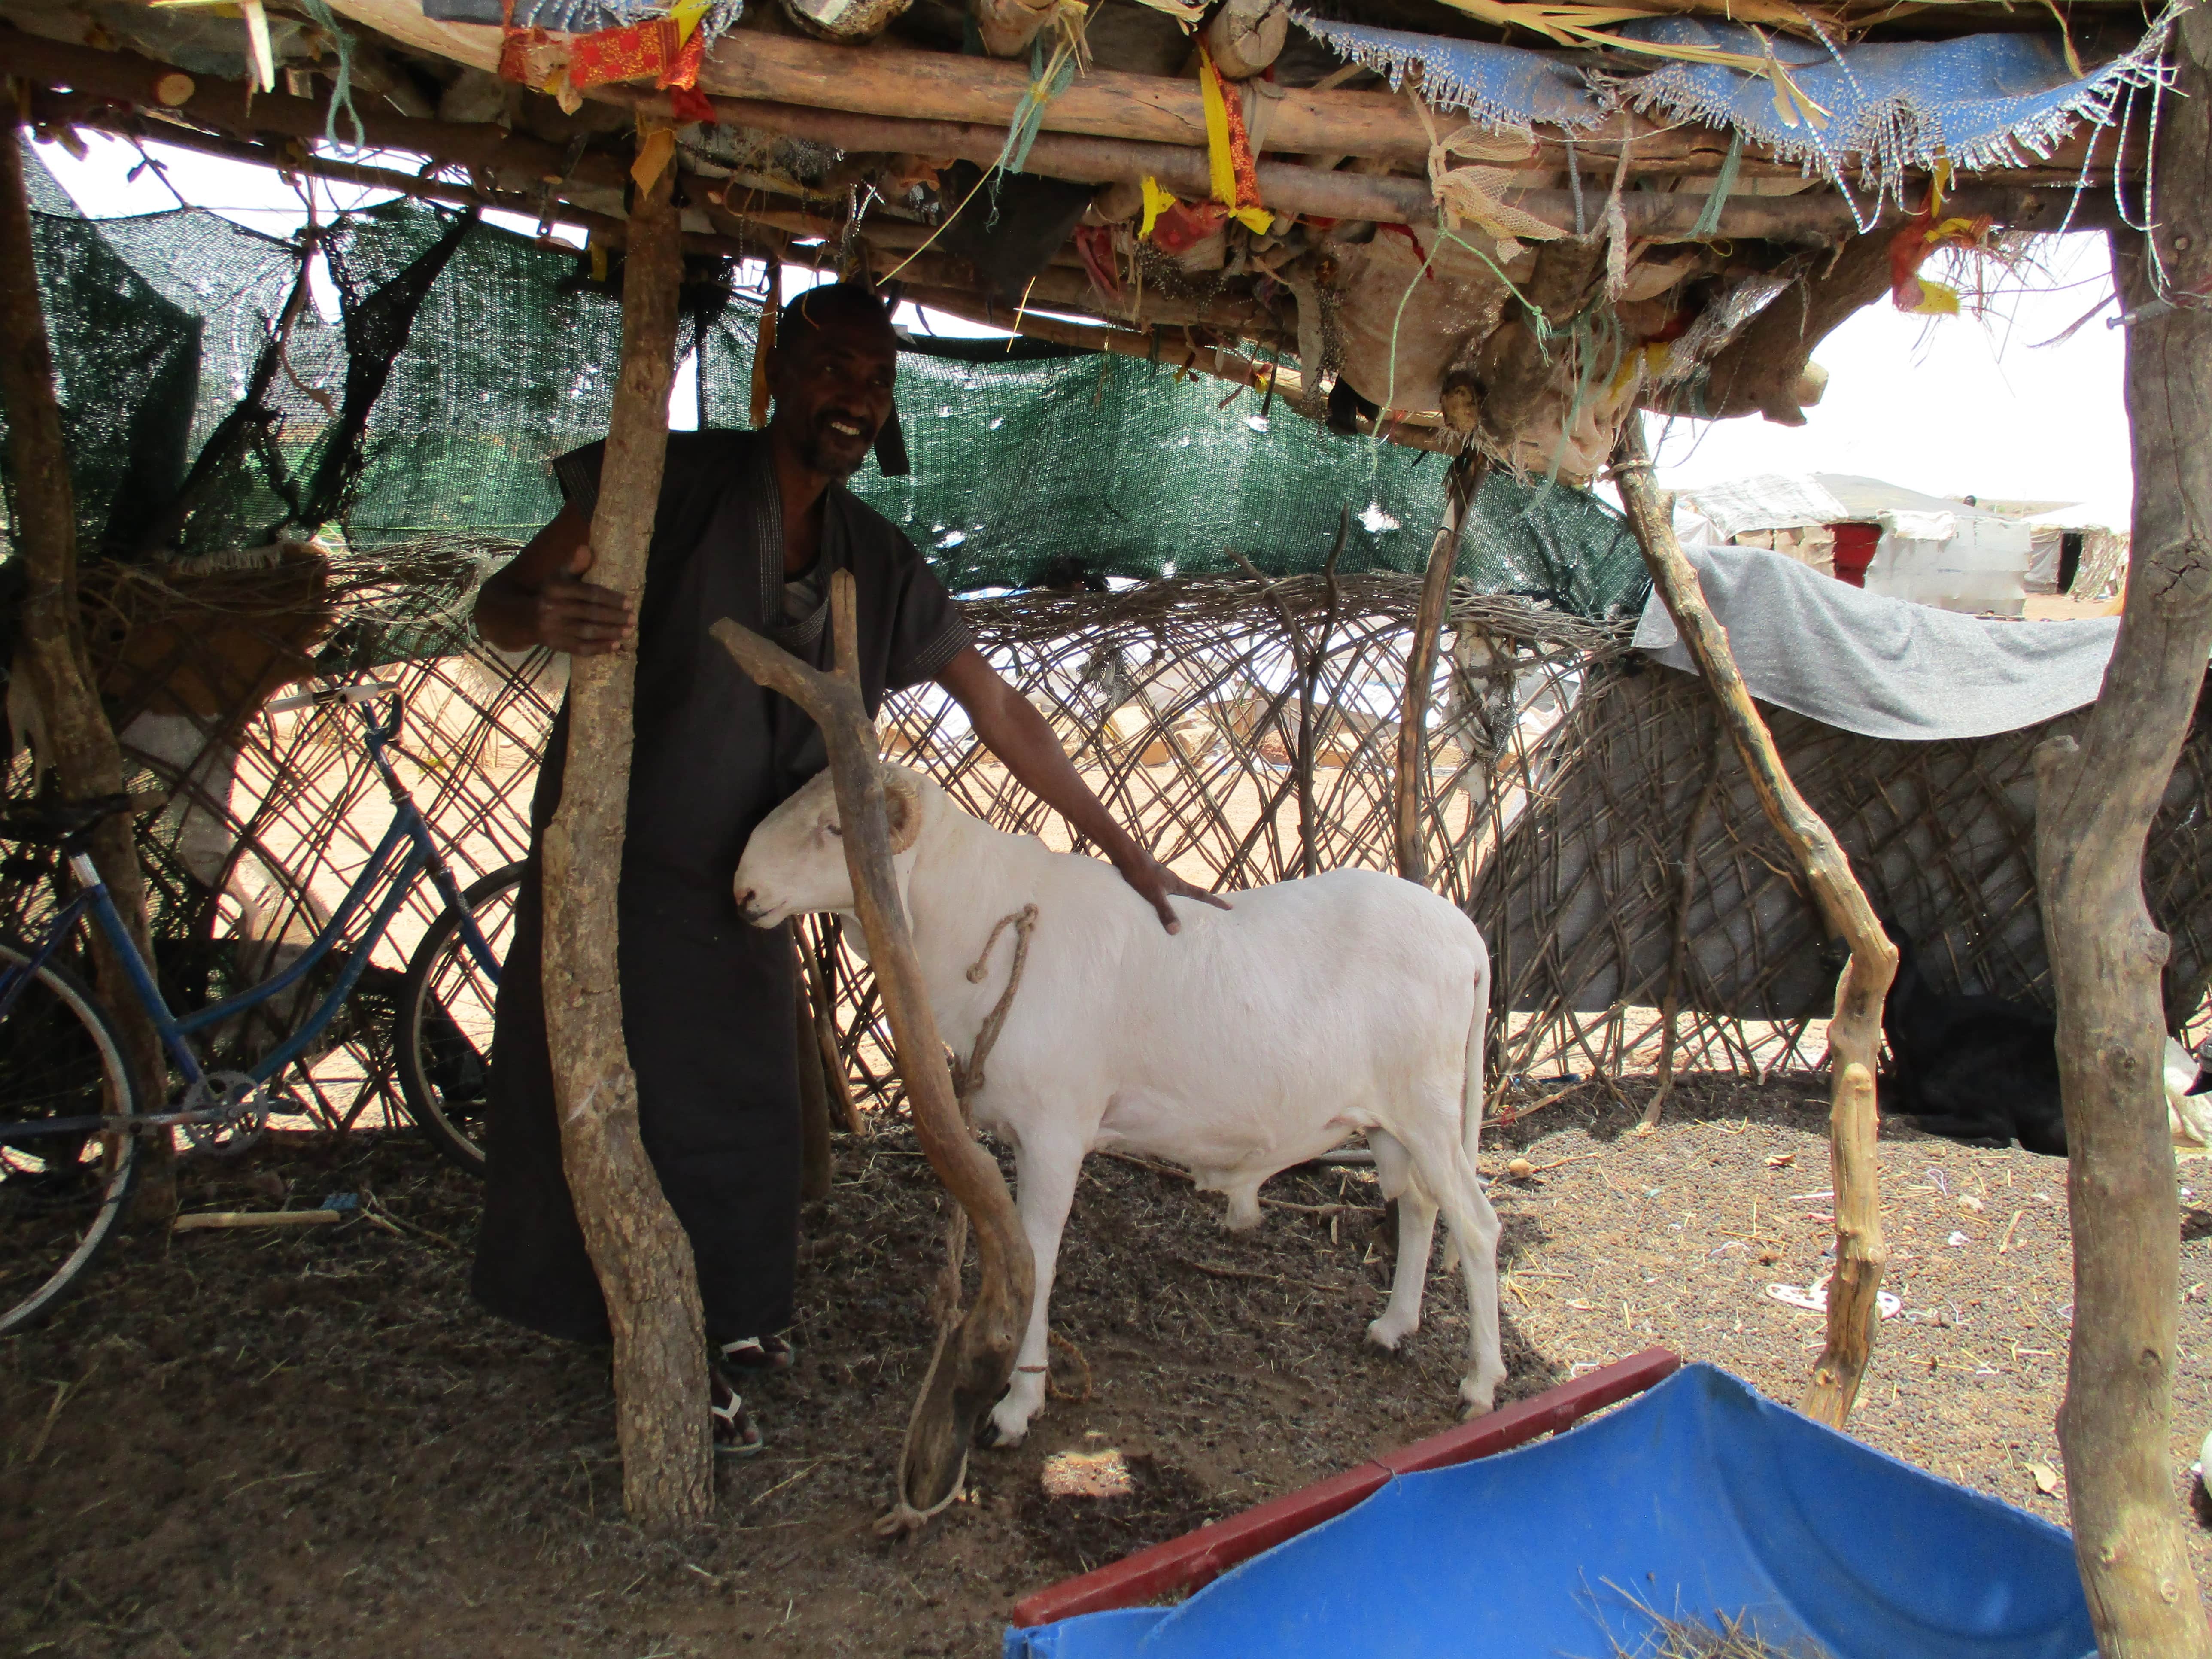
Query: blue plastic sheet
[1697, 1498]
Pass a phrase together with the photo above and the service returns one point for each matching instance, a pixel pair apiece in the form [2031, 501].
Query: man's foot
[757, 1353]
[736, 1435]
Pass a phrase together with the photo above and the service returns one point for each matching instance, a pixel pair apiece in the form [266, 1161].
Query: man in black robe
[749, 526]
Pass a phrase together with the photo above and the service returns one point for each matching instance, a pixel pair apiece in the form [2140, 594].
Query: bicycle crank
[225, 1112]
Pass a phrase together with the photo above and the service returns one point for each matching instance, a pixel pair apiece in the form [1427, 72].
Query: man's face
[833, 394]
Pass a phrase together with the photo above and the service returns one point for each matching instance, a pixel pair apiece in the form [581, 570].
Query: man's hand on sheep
[1011, 728]
[1156, 884]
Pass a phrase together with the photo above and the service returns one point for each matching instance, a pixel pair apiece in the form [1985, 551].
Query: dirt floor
[311, 1443]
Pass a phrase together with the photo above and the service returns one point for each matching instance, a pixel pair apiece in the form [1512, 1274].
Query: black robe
[707, 1001]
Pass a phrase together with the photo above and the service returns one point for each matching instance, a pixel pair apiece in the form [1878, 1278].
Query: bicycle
[73, 1125]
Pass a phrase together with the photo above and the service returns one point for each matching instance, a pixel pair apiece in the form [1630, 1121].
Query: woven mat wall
[1583, 904]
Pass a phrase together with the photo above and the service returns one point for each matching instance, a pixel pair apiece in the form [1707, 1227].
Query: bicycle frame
[409, 829]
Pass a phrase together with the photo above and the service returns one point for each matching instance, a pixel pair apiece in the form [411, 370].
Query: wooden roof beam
[79, 109]
[908, 84]
[207, 101]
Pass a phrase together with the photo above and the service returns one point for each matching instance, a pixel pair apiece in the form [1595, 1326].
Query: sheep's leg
[1045, 1178]
[1474, 1228]
[1417, 1226]
[1244, 1214]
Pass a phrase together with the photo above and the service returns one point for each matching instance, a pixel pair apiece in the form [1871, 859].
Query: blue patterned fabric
[1498, 86]
[1984, 100]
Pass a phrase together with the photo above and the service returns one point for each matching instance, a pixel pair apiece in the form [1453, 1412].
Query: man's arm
[538, 597]
[1012, 729]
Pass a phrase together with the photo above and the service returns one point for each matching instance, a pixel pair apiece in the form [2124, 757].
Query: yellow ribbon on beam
[1221, 161]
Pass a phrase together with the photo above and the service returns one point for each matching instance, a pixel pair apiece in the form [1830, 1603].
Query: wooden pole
[814, 1163]
[1855, 1032]
[1306, 658]
[814, 955]
[1462, 485]
[1311, 657]
[637, 1247]
[78, 741]
[2096, 799]
[972, 1366]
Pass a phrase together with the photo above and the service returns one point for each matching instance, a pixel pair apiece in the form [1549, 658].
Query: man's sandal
[736, 1434]
[757, 1353]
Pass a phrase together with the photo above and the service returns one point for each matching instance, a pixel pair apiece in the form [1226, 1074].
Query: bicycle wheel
[61, 1195]
[442, 1032]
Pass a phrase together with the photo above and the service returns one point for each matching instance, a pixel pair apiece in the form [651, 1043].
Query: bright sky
[1962, 405]
[1988, 406]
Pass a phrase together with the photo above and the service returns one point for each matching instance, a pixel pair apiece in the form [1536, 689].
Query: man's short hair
[829, 305]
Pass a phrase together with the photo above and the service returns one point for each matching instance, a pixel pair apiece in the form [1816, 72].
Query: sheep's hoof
[1475, 1402]
[990, 1435]
[1387, 1336]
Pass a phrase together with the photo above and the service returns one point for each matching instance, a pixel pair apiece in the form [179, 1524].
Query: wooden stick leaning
[1464, 482]
[638, 1249]
[1855, 1032]
[2096, 799]
[973, 1367]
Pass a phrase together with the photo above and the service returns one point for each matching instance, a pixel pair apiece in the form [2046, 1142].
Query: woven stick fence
[1565, 779]
[271, 816]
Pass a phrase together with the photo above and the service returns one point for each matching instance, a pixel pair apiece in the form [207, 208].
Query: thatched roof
[1495, 219]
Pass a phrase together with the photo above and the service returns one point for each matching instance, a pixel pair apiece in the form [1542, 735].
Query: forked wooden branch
[638, 1249]
[971, 1369]
[1855, 1033]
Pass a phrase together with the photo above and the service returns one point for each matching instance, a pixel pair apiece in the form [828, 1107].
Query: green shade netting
[1029, 468]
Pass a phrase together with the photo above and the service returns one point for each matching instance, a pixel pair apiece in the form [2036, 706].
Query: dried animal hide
[1426, 298]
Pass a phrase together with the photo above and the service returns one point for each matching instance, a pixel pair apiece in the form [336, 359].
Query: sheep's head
[794, 862]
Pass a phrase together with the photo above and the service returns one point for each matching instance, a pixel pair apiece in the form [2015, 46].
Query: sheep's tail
[1472, 1090]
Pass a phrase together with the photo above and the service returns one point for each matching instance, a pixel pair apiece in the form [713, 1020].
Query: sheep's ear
[903, 802]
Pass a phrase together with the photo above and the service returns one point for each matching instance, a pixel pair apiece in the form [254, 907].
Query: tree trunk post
[974, 1361]
[2096, 799]
[1855, 1032]
[80, 743]
[1461, 487]
[638, 1249]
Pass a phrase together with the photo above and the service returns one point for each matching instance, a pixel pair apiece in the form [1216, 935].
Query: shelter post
[637, 1247]
[77, 741]
[1855, 1032]
[2096, 799]
[1461, 487]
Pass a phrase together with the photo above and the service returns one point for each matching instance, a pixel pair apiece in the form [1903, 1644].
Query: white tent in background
[1931, 549]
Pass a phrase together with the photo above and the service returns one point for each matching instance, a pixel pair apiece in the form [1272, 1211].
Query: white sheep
[1252, 1040]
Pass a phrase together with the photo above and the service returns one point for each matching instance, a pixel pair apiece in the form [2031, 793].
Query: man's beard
[812, 456]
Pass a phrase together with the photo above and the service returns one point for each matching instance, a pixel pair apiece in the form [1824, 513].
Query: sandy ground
[314, 1444]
